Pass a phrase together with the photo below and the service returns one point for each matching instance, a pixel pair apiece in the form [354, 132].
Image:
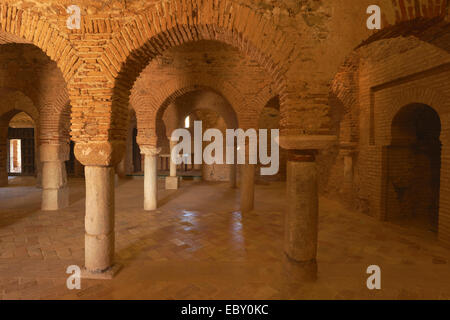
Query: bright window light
[15, 156]
[187, 122]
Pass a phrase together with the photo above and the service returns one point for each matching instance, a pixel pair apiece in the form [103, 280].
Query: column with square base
[55, 192]
[302, 214]
[99, 160]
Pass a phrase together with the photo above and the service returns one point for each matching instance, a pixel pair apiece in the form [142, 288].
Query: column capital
[100, 153]
[150, 150]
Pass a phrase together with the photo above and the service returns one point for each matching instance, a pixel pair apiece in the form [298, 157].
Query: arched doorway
[413, 167]
[21, 146]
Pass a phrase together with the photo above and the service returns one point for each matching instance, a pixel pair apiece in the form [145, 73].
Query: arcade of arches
[86, 178]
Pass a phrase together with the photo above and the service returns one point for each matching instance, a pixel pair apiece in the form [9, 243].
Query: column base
[299, 271]
[55, 199]
[172, 183]
[108, 274]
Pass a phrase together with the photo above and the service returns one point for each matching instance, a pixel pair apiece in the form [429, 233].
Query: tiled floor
[198, 246]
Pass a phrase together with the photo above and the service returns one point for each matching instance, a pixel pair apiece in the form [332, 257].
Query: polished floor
[199, 246]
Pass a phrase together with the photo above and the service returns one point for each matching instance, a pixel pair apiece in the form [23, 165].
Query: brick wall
[394, 73]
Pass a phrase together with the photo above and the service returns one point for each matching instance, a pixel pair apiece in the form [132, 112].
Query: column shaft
[55, 193]
[173, 166]
[151, 182]
[99, 220]
[301, 221]
[172, 180]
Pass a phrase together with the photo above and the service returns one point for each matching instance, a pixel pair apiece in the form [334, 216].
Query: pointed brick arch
[22, 26]
[173, 23]
[9, 106]
[148, 104]
[416, 32]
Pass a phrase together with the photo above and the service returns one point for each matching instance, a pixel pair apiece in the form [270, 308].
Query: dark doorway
[413, 167]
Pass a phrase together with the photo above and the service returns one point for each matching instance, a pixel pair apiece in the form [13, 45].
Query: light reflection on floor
[198, 245]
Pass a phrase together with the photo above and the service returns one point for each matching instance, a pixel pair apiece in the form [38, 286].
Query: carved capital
[102, 153]
[150, 150]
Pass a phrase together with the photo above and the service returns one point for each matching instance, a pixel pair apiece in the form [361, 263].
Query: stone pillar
[55, 193]
[347, 152]
[301, 220]
[150, 177]
[120, 169]
[99, 159]
[99, 220]
[247, 187]
[172, 180]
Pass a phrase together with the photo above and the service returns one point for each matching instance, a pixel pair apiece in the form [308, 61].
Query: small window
[15, 156]
[187, 122]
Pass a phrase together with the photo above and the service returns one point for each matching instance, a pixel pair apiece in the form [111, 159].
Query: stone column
[301, 220]
[55, 193]
[347, 154]
[99, 159]
[172, 180]
[99, 220]
[120, 169]
[150, 177]
[247, 187]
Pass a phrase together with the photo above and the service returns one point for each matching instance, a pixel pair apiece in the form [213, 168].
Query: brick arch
[423, 28]
[433, 98]
[8, 109]
[173, 23]
[23, 26]
[429, 31]
[150, 103]
[440, 103]
[344, 100]
[54, 112]
[229, 117]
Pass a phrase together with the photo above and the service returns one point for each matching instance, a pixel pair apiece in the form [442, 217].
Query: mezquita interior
[87, 178]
